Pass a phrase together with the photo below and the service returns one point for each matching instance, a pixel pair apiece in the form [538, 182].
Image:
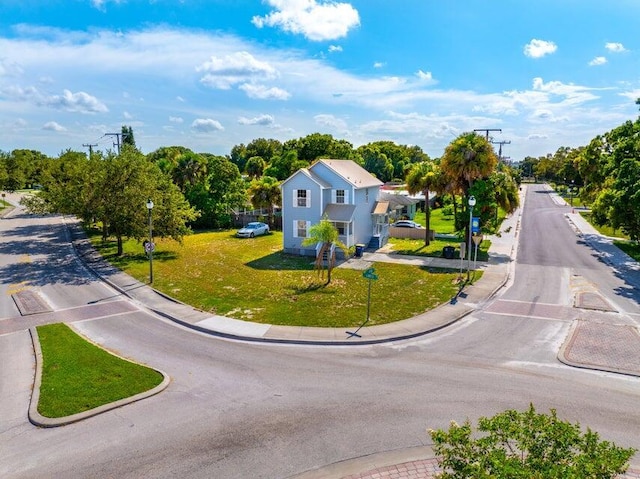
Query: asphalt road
[237, 410]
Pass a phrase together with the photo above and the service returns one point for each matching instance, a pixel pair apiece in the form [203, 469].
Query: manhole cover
[30, 302]
[589, 300]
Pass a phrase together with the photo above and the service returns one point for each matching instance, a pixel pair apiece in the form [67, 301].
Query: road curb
[38, 419]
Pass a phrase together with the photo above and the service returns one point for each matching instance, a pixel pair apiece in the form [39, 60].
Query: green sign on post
[370, 273]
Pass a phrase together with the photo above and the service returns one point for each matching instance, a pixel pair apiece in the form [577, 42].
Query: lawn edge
[39, 420]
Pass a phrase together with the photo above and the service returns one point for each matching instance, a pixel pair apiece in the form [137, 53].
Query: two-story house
[341, 190]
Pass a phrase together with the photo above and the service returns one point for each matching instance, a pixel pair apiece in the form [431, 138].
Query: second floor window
[340, 197]
[302, 198]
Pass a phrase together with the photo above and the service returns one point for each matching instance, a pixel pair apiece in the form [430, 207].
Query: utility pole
[500, 148]
[90, 146]
[117, 135]
[117, 143]
[487, 130]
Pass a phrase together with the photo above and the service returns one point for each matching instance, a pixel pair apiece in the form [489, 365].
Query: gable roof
[310, 175]
[350, 171]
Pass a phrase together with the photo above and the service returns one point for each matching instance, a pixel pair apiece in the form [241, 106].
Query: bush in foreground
[527, 445]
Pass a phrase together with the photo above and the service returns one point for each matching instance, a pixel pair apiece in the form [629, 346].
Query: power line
[487, 130]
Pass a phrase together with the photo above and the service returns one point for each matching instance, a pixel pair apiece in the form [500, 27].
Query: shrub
[527, 445]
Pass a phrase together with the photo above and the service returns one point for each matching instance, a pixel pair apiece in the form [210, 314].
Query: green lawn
[604, 230]
[632, 249]
[252, 279]
[440, 223]
[629, 247]
[78, 376]
[416, 247]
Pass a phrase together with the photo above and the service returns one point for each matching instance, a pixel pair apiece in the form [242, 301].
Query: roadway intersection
[255, 409]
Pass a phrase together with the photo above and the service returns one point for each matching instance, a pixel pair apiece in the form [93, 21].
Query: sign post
[477, 239]
[370, 274]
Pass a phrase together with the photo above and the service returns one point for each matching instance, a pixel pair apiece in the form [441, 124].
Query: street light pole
[150, 244]
[472, 203]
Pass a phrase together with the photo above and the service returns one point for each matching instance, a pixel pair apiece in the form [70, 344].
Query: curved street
[238, 409]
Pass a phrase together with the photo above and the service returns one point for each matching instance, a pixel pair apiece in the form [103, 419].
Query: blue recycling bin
[359, 250]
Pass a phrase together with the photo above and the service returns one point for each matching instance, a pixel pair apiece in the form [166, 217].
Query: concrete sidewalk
[495, 274]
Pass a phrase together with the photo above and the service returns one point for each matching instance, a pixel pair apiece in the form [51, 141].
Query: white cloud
[53, 126]
[180, 99]
[425, 76]
[615, 47]
[597, 61]
[335, 48]
[206, 125]
[262, 92]
[537, 136]
[127, 115]
[9, 68]
[632, 95]
[223, 73]
[539, 48]
[331, 122]
[176, 119]
[79, 102]
[573, 94]
[258, 120]
[317, 21]
[378, 65]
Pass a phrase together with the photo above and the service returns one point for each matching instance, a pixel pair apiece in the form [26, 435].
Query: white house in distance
[345, 193]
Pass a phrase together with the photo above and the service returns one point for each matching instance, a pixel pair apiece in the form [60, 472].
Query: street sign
[475, 225]
[369, 273]
[477, 239]
[149, 247]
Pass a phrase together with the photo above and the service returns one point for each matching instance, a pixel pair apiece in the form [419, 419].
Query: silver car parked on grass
[253, 229]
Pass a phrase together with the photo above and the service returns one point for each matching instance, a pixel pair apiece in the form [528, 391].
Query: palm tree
[468, 158]
[325, 234]
[265, 193]
[425, 177]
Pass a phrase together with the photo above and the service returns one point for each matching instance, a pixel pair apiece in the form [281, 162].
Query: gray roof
[310, 174]
[396, 200]
[352, 172]
[339, 212]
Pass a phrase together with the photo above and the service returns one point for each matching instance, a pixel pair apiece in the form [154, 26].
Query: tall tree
[265, 193]
[423, 178]
[114, 190]
[127, 136]
[255, 166]
[467, 158]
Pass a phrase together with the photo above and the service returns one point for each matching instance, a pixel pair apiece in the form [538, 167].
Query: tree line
[200, 190]
[605, 174]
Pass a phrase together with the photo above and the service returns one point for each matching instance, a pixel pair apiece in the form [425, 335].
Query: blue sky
[212, 74]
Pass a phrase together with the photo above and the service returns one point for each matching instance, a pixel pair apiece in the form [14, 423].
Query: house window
[301, 228]
[302, 198]
[366, 195]
[340, 197]
[341, 227]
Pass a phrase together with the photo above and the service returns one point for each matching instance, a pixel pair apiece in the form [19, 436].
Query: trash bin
[448, 252]
[359, 250]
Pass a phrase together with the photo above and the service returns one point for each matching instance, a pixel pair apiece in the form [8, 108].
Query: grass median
[78, 376]
[252, 279]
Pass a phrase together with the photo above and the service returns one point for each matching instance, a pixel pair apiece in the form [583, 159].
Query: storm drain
[30, 302]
